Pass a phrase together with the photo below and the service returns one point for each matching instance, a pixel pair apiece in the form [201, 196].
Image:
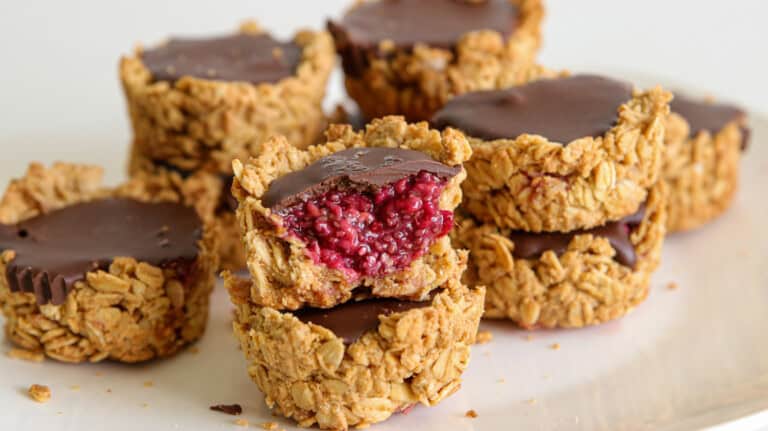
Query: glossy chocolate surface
[56, 249]
[561, 110]
[352, 319]
[532, 245]
[364, 168]
[241, 57]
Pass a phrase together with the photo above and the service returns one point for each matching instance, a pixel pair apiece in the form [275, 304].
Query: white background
[58, 59]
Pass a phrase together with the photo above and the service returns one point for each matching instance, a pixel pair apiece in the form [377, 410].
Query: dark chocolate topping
[437, 23]
[367, 168]
[712, 117]
[532, 245]
[560, 110]
[56, 249]
[241, 57]
[352, 319]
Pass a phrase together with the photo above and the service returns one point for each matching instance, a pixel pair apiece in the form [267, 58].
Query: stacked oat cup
[482, 185]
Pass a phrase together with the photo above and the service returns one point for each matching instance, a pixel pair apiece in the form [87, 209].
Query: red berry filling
[375, 232]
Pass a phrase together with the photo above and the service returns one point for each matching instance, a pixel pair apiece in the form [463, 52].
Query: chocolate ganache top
[561, 110]
[56, 249]
[352, 319]
[405, 23]
[241, 57]
[437, 23]
[706, 116]
[365, 168]
[532, 245]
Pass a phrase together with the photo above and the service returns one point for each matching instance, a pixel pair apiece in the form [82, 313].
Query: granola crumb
[501, 381]
[99, 374]
[531, 401]
[672, 286]
[194, 350]
[149, 384]
[555, 346]
[529, 337]
[471, 414]
[484, 337]
[109, 391]
[241, 422]
[144, 405]
[26, 355]
[75, 387]
[269, 425]
[40, 393]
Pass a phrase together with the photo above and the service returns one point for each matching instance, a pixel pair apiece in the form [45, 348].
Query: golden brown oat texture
[418, 82]
[40, 393]
[197, 123]
[308, 374]
[583, 286]
[535, 185]
[200, 189]
[285, 277]
[702, 172]
[132, 312]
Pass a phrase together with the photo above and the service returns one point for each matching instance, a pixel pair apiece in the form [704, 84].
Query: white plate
[688, 358]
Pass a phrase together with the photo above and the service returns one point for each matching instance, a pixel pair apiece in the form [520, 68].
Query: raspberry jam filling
[371, 232]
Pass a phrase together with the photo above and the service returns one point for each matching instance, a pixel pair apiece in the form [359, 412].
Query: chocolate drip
[351, 320]
[55, 250]
[533, 245]
[405, 23]
[368, 168]
[241, 57]
[560, 110]
[706, 116]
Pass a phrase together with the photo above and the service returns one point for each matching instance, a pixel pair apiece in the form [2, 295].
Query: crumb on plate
[484, 337]
[40, 393]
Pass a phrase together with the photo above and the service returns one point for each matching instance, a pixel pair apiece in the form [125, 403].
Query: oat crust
[418, 82]
[196, 123]
[584, 286]
[284, 276]
[532, 184]
[132, 312]
[308, 374]
[702, 172]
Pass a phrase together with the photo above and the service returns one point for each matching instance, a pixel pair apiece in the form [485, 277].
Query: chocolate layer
[707, 116]
[405, 23]
[533, 245]
[55, 250]
[352, 319]
[241, 57]
[561, 110]
[363, 168]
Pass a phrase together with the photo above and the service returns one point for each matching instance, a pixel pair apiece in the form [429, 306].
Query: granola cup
[132, 312]
[702, 172]
[536, 185]
[208, 193]
[198, 123]
[309, 374]
[585, 285]
[417, 82]
[285, 277]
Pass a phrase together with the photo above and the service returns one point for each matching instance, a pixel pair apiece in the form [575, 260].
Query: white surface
[688, 358]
